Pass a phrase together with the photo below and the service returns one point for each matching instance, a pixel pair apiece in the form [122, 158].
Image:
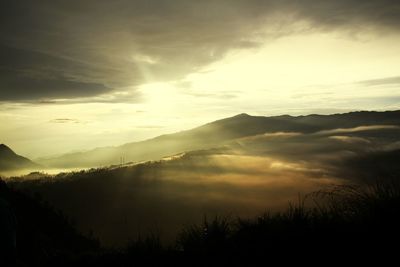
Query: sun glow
[314, 62]
[297, 74]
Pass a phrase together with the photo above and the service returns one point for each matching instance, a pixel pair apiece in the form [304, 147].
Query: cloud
[355, 14]
[28, 75]
[350, 139]
[55, 49]
[65, 120]
[364, 152]
[150, 127]
[16, 86]
[358, 129]
[383, 81]
[221, 95]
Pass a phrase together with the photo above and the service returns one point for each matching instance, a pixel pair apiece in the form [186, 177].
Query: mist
[243, 176]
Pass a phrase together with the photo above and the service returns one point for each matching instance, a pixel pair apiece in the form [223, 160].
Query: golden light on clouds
[289, 64]
[171, 76]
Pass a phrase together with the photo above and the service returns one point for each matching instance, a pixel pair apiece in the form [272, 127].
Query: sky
[76, 75]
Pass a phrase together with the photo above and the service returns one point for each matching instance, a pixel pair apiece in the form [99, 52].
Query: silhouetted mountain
[218, 133]
[9, 160]
[43, 236]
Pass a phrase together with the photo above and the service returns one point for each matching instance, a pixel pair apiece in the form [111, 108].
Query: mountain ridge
[217, 133]
[9, 160]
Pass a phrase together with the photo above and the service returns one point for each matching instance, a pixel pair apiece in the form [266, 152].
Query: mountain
[218, 133]
[9, 160]
[263, 172]
[252, 164]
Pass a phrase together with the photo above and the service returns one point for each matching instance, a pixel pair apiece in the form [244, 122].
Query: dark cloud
[352, 14]
[17, 86]
[28, 75]
[59, 49]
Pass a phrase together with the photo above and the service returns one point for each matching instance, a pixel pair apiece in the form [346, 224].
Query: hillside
[44, 236]
[357, 223]
[9, 160]
[244, 177]
[218, 133]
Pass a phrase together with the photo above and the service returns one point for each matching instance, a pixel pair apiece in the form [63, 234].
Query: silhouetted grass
[347, 221]
[341, 223]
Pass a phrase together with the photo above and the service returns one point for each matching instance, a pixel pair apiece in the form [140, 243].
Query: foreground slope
[44, 236]
[357, 223]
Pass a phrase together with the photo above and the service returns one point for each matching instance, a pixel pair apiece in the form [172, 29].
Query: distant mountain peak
[10, 160]
[242, 115]
[3, 146]
[5, 150]
[217, 134]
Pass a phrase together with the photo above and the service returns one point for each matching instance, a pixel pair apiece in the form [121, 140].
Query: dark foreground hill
[9, 160]
[218, 133]
[352, 224]
[41, 235]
